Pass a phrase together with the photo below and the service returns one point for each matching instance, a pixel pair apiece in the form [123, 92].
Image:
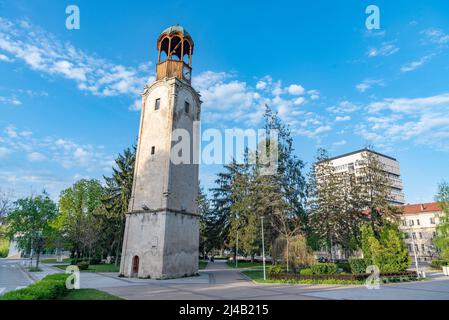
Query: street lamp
[263, 251]
[237, 250]
[414, 253]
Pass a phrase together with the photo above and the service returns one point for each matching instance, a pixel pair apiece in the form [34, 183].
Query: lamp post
[414, 253]
[237, 250]
[263, 251]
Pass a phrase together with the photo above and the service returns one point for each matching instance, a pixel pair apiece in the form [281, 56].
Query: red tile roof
[421, 207]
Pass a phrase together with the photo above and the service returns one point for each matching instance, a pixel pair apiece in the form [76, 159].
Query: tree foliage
[30, 223]
[441, 241]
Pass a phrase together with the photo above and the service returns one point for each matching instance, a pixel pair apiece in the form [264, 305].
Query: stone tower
[161, 233]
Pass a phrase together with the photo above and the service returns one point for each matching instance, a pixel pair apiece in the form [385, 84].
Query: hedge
[324, 268]
[358, 265]
[438, 264]
[343, 277]
[49, 288]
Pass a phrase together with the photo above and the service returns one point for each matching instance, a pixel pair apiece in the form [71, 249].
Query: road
[11, 276]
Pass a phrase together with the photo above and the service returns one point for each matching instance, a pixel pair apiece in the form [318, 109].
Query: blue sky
[68, 97]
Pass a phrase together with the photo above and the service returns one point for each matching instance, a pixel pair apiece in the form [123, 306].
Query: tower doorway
[135, 266]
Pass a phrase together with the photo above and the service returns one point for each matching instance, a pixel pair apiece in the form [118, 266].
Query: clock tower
[162, 232]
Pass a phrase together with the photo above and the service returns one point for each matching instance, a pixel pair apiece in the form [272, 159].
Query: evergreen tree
[116, 198]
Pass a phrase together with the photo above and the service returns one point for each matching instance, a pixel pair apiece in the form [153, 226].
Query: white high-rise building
[354, 161]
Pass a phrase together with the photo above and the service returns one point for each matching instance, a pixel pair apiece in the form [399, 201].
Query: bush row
[49, 288]
[342, 277]
[438, 264]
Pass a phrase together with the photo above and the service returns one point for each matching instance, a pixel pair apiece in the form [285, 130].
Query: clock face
[186, 73]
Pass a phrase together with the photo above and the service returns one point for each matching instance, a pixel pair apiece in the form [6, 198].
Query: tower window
[153, 150]
[157, 104]
[186, 107]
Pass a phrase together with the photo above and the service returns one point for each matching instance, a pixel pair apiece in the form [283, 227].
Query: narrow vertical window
[186, 107]
[153, 150]
[157, 104]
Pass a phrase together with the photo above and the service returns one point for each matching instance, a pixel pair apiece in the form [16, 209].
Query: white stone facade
[419, 222]
[162, 228]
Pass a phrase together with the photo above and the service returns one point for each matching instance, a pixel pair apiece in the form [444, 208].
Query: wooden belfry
[175, 42]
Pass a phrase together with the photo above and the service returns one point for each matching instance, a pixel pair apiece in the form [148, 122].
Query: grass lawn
[67, 260]
[105, 267]
[246, 264]
[202, 264]
[257, 276]
[88, 294]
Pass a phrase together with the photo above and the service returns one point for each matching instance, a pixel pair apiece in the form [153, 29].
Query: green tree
[30, 223]
[389, 252]
[221, 202]
[374, 183]
[77, 222]
[207, 231]
[116, 198]
[441, 241]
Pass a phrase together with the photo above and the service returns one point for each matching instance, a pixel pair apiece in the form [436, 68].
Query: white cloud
[43, 52]
[422, 121]
[62, 152]
[36, 156]
[339, 143]
[386, 49]
[5, 58]
[9, 100]
[368, 84]
[416, 64]
[296, 89]
[436, 36]
[342, 118]
[344, 107]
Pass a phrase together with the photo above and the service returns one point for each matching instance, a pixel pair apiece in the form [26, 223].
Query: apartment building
[419, 222]
[354, 161]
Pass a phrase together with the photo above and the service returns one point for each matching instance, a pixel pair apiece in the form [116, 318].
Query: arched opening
[135, 266]
[187, 51]
[175, 48]
[163, 50]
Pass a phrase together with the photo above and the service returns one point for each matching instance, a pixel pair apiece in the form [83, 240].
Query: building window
[434, 234]
[411, 223]
[414, 235]
[432, 220]
[157, 104]
[153, 150]
[420, 235]
[409, 247]
[423, 248]
[186, 107]
[417, 222]
[404, 223]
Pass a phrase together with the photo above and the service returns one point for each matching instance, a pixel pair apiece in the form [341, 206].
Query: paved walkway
[218, 281]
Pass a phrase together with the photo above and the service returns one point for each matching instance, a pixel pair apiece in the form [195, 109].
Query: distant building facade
[353, 162]
[419, 222]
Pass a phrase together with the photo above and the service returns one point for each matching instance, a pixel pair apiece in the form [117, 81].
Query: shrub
[437, 264]
[324, 268]
[49, 288]
[306, 272]
[358, 265]
[345, 266]
[275, 269]
[83, 265]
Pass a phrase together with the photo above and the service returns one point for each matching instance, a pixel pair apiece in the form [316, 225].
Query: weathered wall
[166, 238]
